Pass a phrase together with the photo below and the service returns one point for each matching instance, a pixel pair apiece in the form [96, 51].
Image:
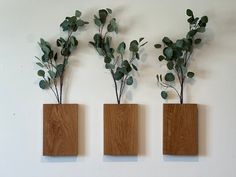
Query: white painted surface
[24, 22]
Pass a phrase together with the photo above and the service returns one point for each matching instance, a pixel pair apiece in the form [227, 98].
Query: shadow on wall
[202, 139]
[107, 158]
[81, 142]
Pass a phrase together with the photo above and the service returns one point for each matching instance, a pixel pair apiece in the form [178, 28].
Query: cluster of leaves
[114, 58]
[177, 55]
[53, 64]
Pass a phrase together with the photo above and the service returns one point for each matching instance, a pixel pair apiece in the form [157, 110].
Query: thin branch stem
[122, 87]
[55, 85]
[63, 69]
[169, 86]
[52, 90]
[117, 98]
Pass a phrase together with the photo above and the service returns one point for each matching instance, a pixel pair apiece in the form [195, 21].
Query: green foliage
[189, 12]
[73, 23]
[129, 81]
[121, 67]
[178, 54]
[121, 48]
[157, 46]
[169, 77]
[41, 73]
[190, 74]
[43, 84]
[164, 94]
[53, 64]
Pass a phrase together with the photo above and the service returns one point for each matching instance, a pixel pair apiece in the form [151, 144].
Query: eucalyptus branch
[48, 62]
[177, 54]
[64, 65]
[51, 89]
[169, 86]
[119, 67]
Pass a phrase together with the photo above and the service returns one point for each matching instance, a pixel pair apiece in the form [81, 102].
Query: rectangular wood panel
[180, 129]
[121, 129]
[60, 129]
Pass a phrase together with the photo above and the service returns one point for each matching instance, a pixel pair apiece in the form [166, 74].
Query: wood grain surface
[60, 129]
[180, 129]
[120, 129]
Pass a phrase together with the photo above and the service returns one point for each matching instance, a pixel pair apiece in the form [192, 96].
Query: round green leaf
[197, 41]
[121, 48]
[77, 13]
[164, 94]
[189, 12]
[167, 41]
[43, 84]
[190, 74]
[41, 73]
[157, 46]
[107, 59]
[103, 15]
[129, 81]
[118, 75]
[168, 52]
[179, 43]
[109, 66]
[161, 57]
[204, 19]
[169, 77]
[170, 65]
[133, 46]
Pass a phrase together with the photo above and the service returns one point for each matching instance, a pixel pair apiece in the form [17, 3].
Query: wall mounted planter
[60, 129]
[180, 129]
[121, 129]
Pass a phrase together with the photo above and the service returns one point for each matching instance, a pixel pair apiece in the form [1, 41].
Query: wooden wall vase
[60, 129]
[180, 129]
[121, 129]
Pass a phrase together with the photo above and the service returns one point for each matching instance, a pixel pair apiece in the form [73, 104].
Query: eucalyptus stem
[63, 69]
[119, 67]
[177, 55]
[51, 69]
[117, 98]
[52, 91]
[122, 86]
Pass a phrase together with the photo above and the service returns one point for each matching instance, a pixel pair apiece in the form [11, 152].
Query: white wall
[24, 22]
